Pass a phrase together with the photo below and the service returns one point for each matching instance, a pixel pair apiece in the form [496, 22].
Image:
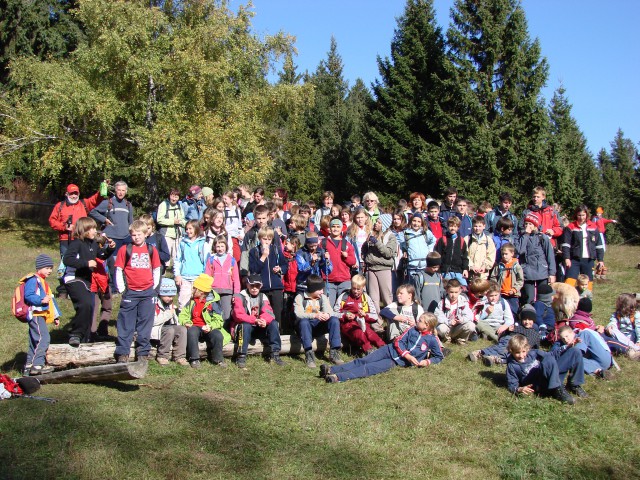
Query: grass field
[456, 420]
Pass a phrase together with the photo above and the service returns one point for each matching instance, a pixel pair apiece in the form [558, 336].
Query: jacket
[289, 278]
[77, 257]
[381, 255]
[548, 217]
[164, 315]
[35, 289]
[516, 371]
[306, 268]
[64, 210]
[305, 307]
[501, 314]
[463, 313]
[243, 313]
[454, 254]
[500, 273]
[435, 227]
[572, 238]
[346, 303]
[211, 313]
[420, 345]
[491, 219]
[166, 216]
[341, 271]
[119, 212]
[251, 241]
[190, 258]
[582, 321]
[482, 253]
[536, 256]
[226, 274]
[192, 209]
[418, 244]
[626, 326]
[270, 279]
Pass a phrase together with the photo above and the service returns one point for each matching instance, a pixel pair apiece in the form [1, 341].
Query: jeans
[580, 266]
[334, 289]
[248, 332]
[597, 355]
[307, 328]
[377, 362]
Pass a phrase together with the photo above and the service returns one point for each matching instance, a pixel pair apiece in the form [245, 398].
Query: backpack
[343, 244]
[444, 241]
[19, 308]
[81, 201]
[110, 207]
[129, 249]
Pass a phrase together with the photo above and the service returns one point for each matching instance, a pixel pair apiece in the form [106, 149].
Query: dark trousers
[39, 340]
[248, 333]
[136, 314]
[377, 362]
[276, 299]
[214, 342]
[529, 290]
[580, 266]
[552, 371]
[308, 328]
[82, 299]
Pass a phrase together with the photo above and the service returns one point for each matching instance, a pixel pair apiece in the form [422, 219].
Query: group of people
[395, 285]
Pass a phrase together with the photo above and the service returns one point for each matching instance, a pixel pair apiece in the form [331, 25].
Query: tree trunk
[100, 373]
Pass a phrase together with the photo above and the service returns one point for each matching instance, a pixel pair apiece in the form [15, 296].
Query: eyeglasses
[74, 193]
[369, 201]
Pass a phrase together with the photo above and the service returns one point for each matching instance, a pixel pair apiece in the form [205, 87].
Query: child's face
[312, 247]
[422, 325]
[45, 272]
[568, 337]
[261, 219]
[416, 223]
[138, 236]
[453, 293]
[397, 221]
[218, 221]
[507, 255]
[206, 218]
[527, 323]
[191, 231]
[316, 295]
[583, 285]
[220, 206]
[254, 289]
[227, 201]
[493, 297]
[258, 197]
[344, 216]
[521, 355]
[404, 297]
[505, 205]
[434, 213]
[166, 299]
[361, 219]
[198, 294]
[91, 234]
[453, 229]
[305, 214]
[507, 232]
[220, 248]
[461, 207]
[529, 227]
[581, 217]
[478, 228]
[288, 246]
[433, 269]
[266, 241]
[356, 291]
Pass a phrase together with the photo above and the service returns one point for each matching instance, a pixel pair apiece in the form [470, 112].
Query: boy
[343, 258]
[314, 315]
[545, 316]
[251, 240]
[453, 250]
[138, 263]
[466, 224]
[254, 318]
[432, 290]
[311, 260]
[534, 371]
[43, 309]
[549, 223]
[505, 200]
[509, 275]
[356, 202]
[166, 329]
[582, 286]
[447, 208]
[503, 232]
[203, 319]
[497, 354]
[417, 347]
[434, 220]
[455, 318]
[482, 250]
[495, 315]
[536, 256]
[597, 356]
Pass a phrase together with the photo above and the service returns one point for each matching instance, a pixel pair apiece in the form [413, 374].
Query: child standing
[203, 319]
[311, 260]
[432, 288]
[482, 250]
[43, 309]
[403, 313]
[509, 275]
[166, 329]
[434, 220]
[189, 261]
[291, 247]
[343, 259]
[224, 269]
[453, 250]
[455, 318]
[418, 242]
[503, 233]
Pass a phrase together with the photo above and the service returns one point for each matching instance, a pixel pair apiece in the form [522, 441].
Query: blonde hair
[83, 225]
[138, 226]
[430, 319]
[266, 232]
[325, 221]
[352, 231]
[453, 221]
[518, 343]
[148, 220]
[582, 278]
[298, 222]
[358, 281]
[220, 239]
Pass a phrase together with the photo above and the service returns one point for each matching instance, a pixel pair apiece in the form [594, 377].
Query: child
[139, 264]
[166, 329]
[327, 203]
[103, 305]
[156, 239]
[509, 275]
[545, 316]
[170, 219]
[535, 253]
[622, 334]
[358, 233]
[466, 224]
[314, 315]
[534, 371]
[418, 242]
[503, 233]
[253, 319]
[505, 200]
[582, 286]
[311, 260]
[495, 315]
[418, 347]
[432, 288]
[581, 319]
[189, 261]
[497, 354]
[223, 268]
[43, 309]
[455, 318]
[402, 314]
[597, 357]
[482, 250]
[453, 250]
[343, 259]
[356, 309]
[291, 247]
[434, 220]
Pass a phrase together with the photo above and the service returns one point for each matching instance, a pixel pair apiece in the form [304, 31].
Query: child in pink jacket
[223, 267]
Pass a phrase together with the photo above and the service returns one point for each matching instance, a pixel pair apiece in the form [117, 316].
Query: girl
[398, 225]
[224, 269]
[205, 223]
[297, 227]
[403, 313]
[80, 261]
[622, 334]
[358, 233]
[581, 247]
[217, 228]
[189, 261]
[379, 255]
[233, 222]
[418, 243]
[346, 217]
[335, 211]
[218, 204]
[291, 247]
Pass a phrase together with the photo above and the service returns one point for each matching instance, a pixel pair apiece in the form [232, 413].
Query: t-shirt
[196, 313]
[139, 272]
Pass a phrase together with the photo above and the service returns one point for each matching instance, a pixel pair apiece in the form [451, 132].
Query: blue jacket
[420, 345]
[303, 260]
[466, 224]
[545, 315]
[193, 209]
[536, 256]
[190, 257]
[270, 280]
[499, 241]
[516, 372]
[491, 219]
[34, 291]
[418, 245]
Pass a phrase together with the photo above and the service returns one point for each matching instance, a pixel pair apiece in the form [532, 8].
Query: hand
[349, 316]
[526, 390]
[552, 279]
[46, 299]
[361, 313]
[261, 322]
[423, 363]
[111, 243]
[178, 280]
[92, 264]
[489, 309]
[465, 274]
[327, 256]
[276, 269]
[314, 258]
[206, 329]
[176, 221]
[323, 317]
[599, 265]
[69, 228]
[600, 329]
[188, 324]
[567, 263]
[549, 232]
[501, 329]
[108, 222]
[410, 321]
[453, 322]
[511, 328]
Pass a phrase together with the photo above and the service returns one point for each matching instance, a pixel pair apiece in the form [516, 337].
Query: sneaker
[40, 369]
[605, 374]
[195, 363]
[562, 395]
[325, 369]
[474, 356]
[633, 354]
[241, 361]
[182, 362]
[578, 391]
[331, 378]
[275, 358]
[474, 337]
[74, 341]
[490, 360]
[310, 359]
[221, 364]
[162, 361]
[460, 341]
[334, 356]
[122, 358]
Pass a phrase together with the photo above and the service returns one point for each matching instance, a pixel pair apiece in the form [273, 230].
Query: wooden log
[61, 355]
[100, 373]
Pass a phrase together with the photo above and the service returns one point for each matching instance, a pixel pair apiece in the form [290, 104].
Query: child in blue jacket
[417, 347]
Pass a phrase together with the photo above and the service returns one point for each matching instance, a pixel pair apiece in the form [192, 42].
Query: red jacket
[243, 314]
[341, 266]
[63, 209]
[289, 279]
[99, 277]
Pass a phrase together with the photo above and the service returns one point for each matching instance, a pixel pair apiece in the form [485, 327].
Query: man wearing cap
[193, 204]
[63, 220]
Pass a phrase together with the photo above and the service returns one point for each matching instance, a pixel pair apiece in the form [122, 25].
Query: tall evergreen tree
[624, 184]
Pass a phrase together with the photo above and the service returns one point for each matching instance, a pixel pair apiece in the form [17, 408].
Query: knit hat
[194, 190]
[585, 305]
[335, 221]
[43, 261]
[386, 219]
[203, 282]
[206, 191]
[167, 287]
[533, 218]
[254, 279]
[434, 261]
[528, 313]
[545, 293]
[72, 188]
[314, 283]
[599, 210]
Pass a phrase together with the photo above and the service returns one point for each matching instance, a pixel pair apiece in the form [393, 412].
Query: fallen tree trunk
[100, 373]
[63, 356]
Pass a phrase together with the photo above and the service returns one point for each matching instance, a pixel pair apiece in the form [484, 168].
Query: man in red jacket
[63, 220]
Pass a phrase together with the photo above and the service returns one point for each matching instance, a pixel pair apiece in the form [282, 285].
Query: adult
[257, 199]
[327, 202]
[193, 204]
[418, 204]
[171, 221]
[581, 247]
[371, 202]
[505, 200]
[448, 207]
[63, 220]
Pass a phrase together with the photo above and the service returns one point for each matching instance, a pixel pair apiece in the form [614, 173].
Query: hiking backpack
[19, 308]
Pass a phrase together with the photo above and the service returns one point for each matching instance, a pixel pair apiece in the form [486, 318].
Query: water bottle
[104, 189]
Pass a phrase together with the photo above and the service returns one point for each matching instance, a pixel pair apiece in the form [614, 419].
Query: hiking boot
[334, 356]
[331, 378]
[578, 391]
[241, 361]
[474, 356]
[325, 369]
[562, 395]
[605, 375]
[122, 358]
[491, 360]
[275, 358]
[195, 363]
[74, 341]
[162, 361]
[182, 362]
[310, 359]
[40, 369]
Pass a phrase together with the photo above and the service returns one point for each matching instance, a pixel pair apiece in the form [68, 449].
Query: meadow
[455, 420]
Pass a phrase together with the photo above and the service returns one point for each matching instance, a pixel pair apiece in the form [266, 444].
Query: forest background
[171, 93]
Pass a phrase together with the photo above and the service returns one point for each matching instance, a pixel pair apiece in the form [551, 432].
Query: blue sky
[591, 47]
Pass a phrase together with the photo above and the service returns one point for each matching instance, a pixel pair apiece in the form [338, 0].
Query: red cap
[533, 218]
[71, 188]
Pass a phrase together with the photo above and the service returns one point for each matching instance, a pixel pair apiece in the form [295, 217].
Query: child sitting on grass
[534, 371]
[455, 318]
[417, 346]
[495, 315]
[597, 356]
[403, 314]
[622, 334]
[166, 329]
[203, 319]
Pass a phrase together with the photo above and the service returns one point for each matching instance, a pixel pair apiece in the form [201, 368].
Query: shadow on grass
[16, 363]
[34, 234]
[499, 379]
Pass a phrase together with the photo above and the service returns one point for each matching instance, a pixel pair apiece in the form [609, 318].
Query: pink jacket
[226, 276]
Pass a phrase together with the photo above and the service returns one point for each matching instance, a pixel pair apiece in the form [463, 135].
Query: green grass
[456, 420]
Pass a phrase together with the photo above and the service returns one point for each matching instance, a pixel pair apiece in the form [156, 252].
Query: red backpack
[18, 306]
